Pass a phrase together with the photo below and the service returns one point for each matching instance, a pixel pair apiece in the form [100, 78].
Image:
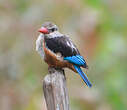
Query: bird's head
[48, 28]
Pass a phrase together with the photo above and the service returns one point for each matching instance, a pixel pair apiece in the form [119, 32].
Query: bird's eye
[53, 30]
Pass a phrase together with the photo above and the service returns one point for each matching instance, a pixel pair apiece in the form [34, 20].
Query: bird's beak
[43, 30]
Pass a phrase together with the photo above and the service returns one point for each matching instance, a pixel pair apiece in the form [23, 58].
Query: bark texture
[55, 90]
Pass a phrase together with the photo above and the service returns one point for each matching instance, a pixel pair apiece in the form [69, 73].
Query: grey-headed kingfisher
[59, 51]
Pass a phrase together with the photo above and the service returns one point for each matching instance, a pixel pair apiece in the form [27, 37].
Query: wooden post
[55, 90]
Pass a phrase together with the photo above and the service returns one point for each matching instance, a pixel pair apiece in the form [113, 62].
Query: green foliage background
[97, 27]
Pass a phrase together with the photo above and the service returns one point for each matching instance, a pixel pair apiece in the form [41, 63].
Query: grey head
[48, 27]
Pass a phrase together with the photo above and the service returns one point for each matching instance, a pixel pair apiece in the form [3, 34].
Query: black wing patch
[63, 45]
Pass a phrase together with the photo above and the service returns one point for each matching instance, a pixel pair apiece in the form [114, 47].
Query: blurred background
[97, 27]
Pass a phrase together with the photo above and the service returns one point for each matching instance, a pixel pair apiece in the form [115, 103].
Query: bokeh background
[97, 27]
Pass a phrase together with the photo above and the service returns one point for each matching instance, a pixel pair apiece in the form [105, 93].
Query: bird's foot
[52, 68]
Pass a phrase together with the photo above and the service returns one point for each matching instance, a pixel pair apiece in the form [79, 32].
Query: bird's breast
[55, 59]
[39, 45]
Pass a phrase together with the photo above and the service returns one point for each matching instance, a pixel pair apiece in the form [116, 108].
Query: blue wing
[78, 60]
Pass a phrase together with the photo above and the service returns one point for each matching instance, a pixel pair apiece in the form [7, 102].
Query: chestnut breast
[55, 59]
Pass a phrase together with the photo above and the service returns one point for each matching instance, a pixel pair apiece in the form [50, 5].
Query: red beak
[43, 30]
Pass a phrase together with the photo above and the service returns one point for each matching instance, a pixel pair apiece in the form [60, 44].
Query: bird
[58, 51]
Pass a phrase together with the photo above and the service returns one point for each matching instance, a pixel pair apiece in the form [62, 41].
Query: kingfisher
[58, 51]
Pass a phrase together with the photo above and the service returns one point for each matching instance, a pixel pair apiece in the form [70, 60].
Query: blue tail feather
[83, 76]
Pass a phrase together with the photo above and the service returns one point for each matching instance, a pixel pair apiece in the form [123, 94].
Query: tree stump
[55, 90]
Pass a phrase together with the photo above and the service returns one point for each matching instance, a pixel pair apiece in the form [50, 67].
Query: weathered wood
[55, 90]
